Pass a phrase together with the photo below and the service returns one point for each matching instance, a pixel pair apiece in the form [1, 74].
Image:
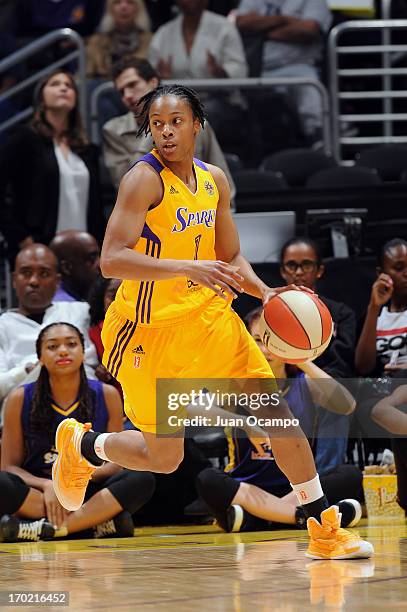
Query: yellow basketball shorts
[211, 343]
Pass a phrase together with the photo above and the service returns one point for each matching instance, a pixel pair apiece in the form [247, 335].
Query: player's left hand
[270, 292]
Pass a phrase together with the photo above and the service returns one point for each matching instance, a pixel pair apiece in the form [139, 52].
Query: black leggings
[217, 489]
[131, 489]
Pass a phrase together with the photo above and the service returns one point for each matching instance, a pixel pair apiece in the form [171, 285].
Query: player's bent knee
[168, 463]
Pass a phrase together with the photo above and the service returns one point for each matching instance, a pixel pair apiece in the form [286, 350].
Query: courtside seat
[342, 178]
[389, 160]
[297, 165]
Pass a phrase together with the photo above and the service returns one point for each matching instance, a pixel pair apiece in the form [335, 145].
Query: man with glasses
[300, 264]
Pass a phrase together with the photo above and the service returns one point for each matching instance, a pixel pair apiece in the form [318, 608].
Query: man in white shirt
[35, 280]
[292, 31]
[133, 78]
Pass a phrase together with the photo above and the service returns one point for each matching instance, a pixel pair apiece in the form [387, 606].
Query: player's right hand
[219, 276]
[56, 514]
[382, 290]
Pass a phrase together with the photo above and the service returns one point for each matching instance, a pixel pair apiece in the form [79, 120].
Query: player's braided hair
[186, 93]
[40, 414]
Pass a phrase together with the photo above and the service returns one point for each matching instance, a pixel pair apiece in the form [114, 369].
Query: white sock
[308, 492]
[99, 446]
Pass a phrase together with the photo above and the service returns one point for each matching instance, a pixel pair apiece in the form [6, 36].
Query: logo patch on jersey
[209, 188]
[173, 190]
[137, 361]
[138, 350]
[187, 219]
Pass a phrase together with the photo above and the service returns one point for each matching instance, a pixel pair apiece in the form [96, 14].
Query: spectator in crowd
[382, 345]
[123, 36]
[134, 78]
[35, 279]
[255, 483]
[301, 264]
[58, 188]
[199, 44]
[78, 256]
[381, 351]
[292, 31]
[31, 417]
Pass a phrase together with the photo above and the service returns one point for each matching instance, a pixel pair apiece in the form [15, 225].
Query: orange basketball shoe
[71, 472]
[329, 541]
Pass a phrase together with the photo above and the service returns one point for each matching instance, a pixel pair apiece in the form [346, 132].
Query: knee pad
[13, 492]
[132, 489]
[216, 488]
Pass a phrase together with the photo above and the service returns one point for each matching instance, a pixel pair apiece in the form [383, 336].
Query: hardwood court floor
[199, 568]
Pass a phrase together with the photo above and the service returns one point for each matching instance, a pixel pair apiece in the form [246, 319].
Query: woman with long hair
[31, 416]
[125, 32]
[49, 174]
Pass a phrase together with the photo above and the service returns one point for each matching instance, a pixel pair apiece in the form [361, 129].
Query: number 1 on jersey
[197, 241]
[191, 284]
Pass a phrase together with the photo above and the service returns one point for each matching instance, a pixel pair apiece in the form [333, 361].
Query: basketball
[295, 326]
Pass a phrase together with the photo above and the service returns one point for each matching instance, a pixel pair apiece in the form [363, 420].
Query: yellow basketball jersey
[182, 226]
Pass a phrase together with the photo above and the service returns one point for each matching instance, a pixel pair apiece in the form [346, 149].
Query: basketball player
[172, 240]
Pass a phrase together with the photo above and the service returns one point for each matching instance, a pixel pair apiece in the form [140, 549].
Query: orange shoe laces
[331, 537]
[80, 476]
[344, 535]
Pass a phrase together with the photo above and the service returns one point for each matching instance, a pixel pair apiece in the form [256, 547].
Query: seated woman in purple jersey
[29, 508]
[253, 486]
